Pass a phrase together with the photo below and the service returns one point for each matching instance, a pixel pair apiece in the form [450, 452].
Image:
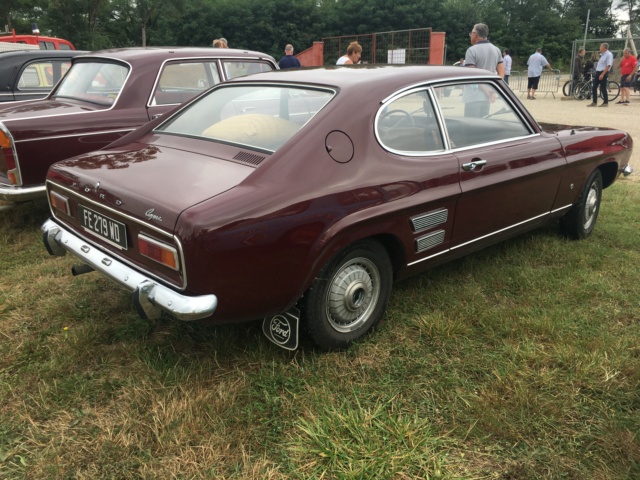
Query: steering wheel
[403, 113]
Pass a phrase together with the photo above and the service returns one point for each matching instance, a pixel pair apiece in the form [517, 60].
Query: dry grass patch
[521, 361]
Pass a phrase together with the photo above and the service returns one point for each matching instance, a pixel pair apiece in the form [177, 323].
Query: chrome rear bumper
[21, 194]
[149, 296]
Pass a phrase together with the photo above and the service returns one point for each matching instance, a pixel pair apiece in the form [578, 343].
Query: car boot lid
[152, 183]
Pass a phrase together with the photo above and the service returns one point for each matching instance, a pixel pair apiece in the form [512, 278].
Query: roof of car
[365, 77]
[14, 55]
[134, 53]
[11, 60]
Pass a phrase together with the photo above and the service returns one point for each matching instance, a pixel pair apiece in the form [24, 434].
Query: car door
[407, 126]
[509, 172]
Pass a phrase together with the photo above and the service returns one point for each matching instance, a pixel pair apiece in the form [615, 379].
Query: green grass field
[519, 362]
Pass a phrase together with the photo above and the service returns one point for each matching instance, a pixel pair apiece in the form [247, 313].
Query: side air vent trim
[429, 220]
[429, 241]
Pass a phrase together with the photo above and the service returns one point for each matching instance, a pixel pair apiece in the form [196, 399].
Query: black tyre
[582, 91]
[580, 221]
[567, 89]
[349, 296]
[613, 90]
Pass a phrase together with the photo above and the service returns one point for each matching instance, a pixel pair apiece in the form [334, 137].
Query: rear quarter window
[234, 69]
[42, 74]
[179, 82]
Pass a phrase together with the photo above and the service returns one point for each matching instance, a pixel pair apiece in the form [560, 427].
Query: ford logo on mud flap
[280, 329]
[283, 329]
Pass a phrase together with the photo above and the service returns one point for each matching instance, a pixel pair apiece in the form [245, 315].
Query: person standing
[481, 54]
[506, 60]
[288, 61]
[577, 69]
[589, 69]
[602, 76]
[354, 52]
[628, 66]
[536, 64]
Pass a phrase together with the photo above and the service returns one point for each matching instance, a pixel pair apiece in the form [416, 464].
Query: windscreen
[261, 117]
[95, 82]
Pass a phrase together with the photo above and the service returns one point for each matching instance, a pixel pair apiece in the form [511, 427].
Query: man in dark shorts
[536, 64]
[628, 66]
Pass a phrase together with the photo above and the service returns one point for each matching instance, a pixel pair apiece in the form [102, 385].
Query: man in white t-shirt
[536, 64]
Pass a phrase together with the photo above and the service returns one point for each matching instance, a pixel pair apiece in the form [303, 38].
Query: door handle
[468, 167]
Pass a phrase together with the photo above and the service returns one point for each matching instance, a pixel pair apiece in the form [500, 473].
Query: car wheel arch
[609, 173]
[324, 252]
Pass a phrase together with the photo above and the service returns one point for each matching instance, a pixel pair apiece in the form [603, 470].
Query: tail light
[158, 251]
[59, 202]
[7, 157]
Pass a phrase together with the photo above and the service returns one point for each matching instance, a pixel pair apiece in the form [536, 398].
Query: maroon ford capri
[300, 196]
[105, 95]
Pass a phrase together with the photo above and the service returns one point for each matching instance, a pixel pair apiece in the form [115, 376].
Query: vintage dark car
[299, 196]
[31, 74]
[105, 95]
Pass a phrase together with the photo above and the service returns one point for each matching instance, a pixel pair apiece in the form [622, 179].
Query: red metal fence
[400, 46]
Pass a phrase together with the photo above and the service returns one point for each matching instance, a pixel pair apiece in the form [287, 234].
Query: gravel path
[575, 112]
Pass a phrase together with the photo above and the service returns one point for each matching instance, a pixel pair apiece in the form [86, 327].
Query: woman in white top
[354, 52]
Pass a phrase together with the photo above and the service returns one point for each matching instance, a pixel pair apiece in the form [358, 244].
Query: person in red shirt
[628, 66]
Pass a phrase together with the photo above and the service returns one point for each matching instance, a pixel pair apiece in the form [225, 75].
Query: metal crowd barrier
[549, 82]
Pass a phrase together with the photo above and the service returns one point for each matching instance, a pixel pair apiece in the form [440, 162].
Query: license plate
[110, 230]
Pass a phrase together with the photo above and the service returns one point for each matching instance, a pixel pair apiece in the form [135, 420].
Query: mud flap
[282, 329]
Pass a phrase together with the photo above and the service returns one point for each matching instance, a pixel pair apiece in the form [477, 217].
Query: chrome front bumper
[21, 194]
[149, 296]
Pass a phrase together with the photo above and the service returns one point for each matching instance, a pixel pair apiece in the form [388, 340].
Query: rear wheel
[580, 221]
[582, 91]
[349, 296]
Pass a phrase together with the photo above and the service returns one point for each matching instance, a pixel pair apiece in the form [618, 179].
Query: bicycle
[583, 90]
[567, 88]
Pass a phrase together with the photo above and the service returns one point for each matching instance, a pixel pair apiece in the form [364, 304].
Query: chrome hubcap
[352, 295]
[591, 206]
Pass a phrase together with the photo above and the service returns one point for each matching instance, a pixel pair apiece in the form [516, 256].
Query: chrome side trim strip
[479, 238]
[566, 207]
[499, 231]
[87, 134]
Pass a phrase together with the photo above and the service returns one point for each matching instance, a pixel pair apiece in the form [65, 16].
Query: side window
[234, 69]
[477, 113]
[29, 78]
[64, 46]
[43, 75]
[180, 82]
[408, 124]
